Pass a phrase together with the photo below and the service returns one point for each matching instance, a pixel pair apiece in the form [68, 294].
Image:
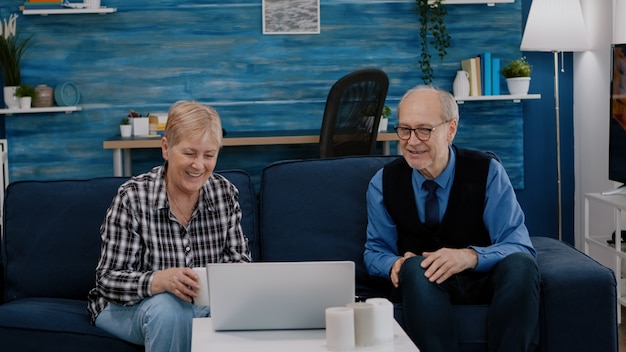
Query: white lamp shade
[555, 25]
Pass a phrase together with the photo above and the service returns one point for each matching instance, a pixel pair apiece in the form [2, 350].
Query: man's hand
[182, 282]
[445, 262]
[395, 268]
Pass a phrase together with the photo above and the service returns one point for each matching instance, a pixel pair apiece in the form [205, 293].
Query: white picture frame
[291, 16]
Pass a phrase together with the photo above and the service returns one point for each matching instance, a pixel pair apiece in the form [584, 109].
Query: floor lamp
[555, 26]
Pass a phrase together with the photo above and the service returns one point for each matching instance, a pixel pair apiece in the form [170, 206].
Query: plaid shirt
[140, 235]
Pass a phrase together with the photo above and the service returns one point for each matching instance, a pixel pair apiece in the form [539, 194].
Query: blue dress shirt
[503, 218]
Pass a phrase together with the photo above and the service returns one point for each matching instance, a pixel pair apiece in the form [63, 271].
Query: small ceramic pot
[126, 130]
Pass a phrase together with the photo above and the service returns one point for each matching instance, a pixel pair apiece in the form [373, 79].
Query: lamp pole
[558, 144]
[555, 26]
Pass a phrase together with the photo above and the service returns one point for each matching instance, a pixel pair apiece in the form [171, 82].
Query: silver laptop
[277, 295]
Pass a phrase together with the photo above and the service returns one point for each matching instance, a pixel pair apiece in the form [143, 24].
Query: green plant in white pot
[384, 119]
[25, 94]
[12, 49]
[517, 75]
[126, 128]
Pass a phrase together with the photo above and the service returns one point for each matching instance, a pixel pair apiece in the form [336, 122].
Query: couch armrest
[579, 303]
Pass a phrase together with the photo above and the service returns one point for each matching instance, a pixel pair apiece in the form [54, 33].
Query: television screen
[617, 126]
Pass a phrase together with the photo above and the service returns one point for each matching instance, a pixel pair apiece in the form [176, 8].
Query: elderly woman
[160, 225]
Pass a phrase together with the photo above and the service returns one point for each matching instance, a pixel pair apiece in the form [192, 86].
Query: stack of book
[43, 4]
[484, 74]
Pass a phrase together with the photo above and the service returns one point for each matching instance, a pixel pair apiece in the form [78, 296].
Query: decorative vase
[45, 96]
[461, 85]
[10, 99]
[518, 85]
[126, 130]
[25, 102]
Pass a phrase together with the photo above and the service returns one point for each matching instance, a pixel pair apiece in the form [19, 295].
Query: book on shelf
[484, 74]
[485, 62]
[471, 67]
[479, 75]
[29, 5]
[43, 3]
[43, 7]
[495, 75]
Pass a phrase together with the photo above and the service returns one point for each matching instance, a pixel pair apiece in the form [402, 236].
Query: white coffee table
[205, 339]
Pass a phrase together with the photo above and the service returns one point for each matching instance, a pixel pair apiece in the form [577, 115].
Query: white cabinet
[599, 241]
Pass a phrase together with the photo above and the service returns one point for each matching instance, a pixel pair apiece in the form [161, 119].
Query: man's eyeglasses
[422, 133]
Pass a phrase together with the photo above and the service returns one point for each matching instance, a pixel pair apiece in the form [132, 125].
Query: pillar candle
[339, 328]
[383, 318]
[364, 323]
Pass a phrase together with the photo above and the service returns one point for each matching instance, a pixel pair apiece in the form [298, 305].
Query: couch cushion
[322, 215]
[51, 241]
[249, 206]
[58, 324]
[577, 294]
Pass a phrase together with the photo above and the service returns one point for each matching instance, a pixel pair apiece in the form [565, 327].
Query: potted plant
[11, 51]
[126, 129]
[517, 75]
[25, 93]
[433, 33]
[384, 119]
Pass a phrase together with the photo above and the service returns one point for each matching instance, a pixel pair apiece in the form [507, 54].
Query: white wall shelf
[488, 2]
[65, 109]
[69, 11]
[514, 98]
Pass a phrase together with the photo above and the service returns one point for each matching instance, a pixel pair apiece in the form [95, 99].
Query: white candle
[339, 328]
[383, 319]
[364, 323]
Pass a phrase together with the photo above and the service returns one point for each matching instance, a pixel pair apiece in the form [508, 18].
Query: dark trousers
[511, 289]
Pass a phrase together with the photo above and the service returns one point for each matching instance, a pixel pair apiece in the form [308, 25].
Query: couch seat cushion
[49, 314]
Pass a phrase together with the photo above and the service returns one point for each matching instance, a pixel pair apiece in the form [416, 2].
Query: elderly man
[445, 227]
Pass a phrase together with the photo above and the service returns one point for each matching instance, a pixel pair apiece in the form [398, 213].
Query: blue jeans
[511, 289]
[162, 322]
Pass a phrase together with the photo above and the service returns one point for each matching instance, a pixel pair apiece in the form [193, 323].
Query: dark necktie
[432, 204]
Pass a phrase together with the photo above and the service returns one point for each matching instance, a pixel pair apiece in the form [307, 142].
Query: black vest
[462, 223]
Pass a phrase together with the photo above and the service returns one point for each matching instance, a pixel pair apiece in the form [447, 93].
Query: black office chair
[353, 108]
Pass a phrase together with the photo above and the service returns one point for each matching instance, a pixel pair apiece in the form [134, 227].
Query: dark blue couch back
[51, 241]
[294, 227]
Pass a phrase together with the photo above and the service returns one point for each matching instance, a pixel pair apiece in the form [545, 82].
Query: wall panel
[150, 54]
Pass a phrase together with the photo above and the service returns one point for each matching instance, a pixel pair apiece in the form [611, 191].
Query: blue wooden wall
[150, 54]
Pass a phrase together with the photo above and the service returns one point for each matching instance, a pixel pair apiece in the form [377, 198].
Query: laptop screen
[277, 295]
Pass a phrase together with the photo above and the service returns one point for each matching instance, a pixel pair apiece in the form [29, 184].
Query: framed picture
[291, 16]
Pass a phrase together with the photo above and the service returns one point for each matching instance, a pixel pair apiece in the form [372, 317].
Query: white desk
[204, 339]
[126, 144]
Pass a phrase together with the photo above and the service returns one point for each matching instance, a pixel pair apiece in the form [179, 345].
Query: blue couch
[305, 210]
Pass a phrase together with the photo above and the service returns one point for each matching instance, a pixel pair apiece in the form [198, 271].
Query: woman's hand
[181, 282]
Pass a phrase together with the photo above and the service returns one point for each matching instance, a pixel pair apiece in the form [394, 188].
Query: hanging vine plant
[433, 34]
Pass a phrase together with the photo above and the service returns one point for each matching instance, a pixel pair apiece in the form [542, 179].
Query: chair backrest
[352, 113]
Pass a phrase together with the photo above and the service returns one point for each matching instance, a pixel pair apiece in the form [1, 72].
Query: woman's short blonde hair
[189, 119]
